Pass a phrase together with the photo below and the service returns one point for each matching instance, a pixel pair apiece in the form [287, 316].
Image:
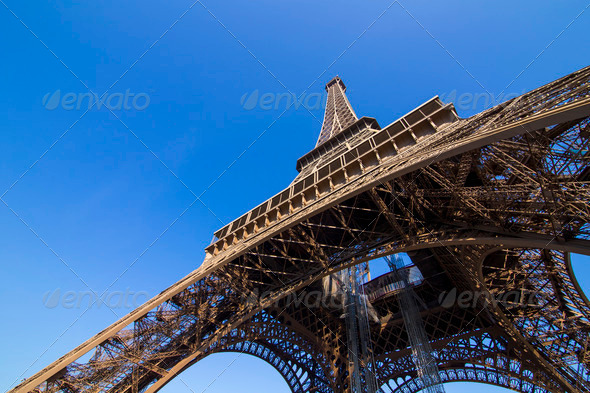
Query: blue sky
[110, 205]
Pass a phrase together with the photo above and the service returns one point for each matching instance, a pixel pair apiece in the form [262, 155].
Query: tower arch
[444, 189]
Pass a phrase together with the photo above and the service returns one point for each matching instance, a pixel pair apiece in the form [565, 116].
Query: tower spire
[339, 114]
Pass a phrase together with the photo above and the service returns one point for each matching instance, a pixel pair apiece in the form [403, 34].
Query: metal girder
[461, 194]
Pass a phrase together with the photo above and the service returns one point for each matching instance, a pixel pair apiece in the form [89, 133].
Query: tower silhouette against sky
[488, 209]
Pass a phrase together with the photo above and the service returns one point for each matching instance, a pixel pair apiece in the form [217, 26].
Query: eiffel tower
[488, 208]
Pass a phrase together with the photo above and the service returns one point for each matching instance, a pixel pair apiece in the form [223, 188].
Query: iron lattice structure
[491, 204]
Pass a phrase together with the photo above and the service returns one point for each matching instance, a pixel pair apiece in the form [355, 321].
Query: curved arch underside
[478, 375]
[488, 205]
[294, 357]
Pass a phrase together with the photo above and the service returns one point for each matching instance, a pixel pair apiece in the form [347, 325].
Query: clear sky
[111, 205]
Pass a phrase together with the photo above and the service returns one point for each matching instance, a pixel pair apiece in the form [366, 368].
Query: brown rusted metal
[489, 205]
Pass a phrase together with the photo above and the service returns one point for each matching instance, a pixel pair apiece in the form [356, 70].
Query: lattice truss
[491, 205]
[339, 113]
